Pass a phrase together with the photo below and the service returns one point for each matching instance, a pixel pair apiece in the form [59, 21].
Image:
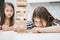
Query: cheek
[35, 24]
[38, 25]
[11, 14]
[6, 13]
[44, 24]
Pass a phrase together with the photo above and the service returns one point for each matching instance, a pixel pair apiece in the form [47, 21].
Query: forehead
[8, 6]
[37, 19]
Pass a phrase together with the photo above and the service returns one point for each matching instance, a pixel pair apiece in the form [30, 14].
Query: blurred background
[53, 7]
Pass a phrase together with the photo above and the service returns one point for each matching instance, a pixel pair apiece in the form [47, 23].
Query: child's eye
[35, 21]
[39, 21]
[10, 10]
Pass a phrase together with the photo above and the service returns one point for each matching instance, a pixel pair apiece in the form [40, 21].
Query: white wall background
[53, 8]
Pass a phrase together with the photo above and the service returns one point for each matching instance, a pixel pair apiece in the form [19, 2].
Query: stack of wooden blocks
[21, 15]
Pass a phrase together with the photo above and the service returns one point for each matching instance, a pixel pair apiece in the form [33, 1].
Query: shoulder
[56, 23]
[29, 24]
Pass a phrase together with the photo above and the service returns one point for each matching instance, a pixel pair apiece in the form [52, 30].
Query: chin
[9, 16]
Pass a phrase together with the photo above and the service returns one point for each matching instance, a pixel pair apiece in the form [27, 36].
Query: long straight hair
[3, 15]
[42, 12]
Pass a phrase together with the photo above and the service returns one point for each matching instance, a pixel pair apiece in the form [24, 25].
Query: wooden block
[21, 0]
[21, 11]
[21, 18]
[20, 15]
[21, 4]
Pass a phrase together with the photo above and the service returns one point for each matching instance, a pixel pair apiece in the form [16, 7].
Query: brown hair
[3, 15]
[41, 12]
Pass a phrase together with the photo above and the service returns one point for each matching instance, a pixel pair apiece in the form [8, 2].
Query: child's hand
[34, 30]
[37, 30]
[6, 28]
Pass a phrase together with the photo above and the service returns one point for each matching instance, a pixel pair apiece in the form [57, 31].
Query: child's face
[8, 11]
[39, 22]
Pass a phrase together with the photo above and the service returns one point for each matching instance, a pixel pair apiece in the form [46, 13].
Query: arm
[47, 29]
[50, 29]
[6, 28]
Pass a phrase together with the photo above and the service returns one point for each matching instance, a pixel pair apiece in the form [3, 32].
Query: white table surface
[11, 35]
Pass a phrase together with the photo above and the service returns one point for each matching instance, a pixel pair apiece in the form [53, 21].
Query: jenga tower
[21, 14]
